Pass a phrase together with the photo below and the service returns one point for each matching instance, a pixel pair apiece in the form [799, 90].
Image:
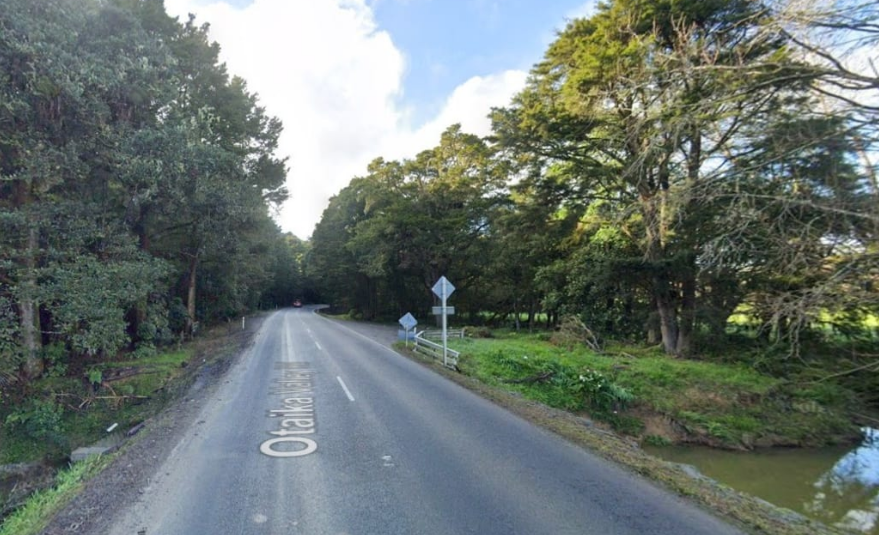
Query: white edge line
[345, 388]
[389, 350]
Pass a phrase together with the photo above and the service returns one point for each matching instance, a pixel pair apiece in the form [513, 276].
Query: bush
[572, 333]
[602, 394]
[478, 332]
[40, 419]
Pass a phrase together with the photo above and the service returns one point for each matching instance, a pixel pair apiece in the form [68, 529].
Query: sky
[353, 80]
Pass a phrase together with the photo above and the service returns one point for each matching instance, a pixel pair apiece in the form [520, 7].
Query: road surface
[321, 430]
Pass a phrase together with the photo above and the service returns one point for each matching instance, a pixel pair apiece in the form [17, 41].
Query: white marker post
[443, 289]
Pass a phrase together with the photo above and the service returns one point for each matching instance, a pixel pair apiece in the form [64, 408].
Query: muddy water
[838, 486]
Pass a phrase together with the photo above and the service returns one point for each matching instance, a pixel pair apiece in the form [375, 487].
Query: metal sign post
[408, 322]
[443, 289]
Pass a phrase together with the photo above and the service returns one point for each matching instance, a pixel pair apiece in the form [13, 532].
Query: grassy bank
[659, 399]
[58, 413]
[33, 516]
[62, 411]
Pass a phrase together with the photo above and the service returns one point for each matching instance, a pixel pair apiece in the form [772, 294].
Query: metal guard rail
[432, 349]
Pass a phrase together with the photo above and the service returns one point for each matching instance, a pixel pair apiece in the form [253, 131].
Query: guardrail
[435, 334]
[432, 349]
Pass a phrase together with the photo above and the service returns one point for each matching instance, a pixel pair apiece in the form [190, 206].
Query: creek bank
[660, 400]
[837, 485]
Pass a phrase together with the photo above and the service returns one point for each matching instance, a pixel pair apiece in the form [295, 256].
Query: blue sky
[447, 42]
[353, 80]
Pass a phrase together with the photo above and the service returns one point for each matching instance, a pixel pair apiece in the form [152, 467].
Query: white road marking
[345, 388]
[318, 346]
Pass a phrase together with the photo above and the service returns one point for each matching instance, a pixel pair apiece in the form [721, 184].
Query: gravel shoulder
[120, 484]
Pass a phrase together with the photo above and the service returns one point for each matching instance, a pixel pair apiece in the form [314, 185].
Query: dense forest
[695, 175]
[137, 180]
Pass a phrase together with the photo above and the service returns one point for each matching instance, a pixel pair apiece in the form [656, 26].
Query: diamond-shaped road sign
[443, 288]
[408, 321]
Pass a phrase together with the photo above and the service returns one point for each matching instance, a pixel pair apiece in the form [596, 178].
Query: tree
[645, 103]
[133, 173]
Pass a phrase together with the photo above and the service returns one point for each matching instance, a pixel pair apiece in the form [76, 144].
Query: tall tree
[646, 102]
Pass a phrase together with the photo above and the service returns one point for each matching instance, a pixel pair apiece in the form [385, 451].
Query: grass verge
[750, 513]
[34, 515]
[662, 399]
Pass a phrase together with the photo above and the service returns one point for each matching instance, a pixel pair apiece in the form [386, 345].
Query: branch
[540, 378]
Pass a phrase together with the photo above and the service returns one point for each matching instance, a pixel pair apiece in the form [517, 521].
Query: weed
[656, 440]
[32, 517]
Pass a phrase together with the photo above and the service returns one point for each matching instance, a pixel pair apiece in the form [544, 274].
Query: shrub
[573, 332]
[40, 419]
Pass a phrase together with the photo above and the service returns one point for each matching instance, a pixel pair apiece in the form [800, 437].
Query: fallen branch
[865, 417]
[121, 397]
[530, 380]
[129, 373]
[867, 366]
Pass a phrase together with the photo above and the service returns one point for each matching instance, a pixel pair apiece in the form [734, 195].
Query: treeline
[669, 164]
[136, 179]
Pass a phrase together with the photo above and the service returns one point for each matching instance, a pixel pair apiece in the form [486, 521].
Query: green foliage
[136, 178]
[732, 404]
[95, 376]
[39, 419]
[89, 299]
[550, 380]
[33, 516]
[55, 356]
[656, 440]
[10, 349]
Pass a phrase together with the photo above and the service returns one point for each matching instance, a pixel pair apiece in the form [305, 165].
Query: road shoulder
[108, 494]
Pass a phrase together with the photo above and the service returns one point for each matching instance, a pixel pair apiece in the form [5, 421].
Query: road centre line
[318, 346]
[345, 388]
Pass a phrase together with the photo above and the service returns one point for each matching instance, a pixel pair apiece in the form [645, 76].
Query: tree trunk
[190, 296]
[661, 284]
[688, 315]
[516, 312]
[667, 322]
[29, 308]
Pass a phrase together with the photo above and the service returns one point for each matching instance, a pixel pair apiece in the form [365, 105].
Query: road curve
[320, 430]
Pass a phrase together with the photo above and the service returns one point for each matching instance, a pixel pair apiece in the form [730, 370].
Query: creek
[838, 486]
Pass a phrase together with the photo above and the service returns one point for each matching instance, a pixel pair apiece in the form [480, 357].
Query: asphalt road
[321, 430]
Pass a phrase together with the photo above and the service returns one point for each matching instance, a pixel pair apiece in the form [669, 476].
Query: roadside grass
[751, 513]
[32, 517]
[675, 400]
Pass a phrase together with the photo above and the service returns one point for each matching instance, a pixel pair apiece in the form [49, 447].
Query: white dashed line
[345, 388]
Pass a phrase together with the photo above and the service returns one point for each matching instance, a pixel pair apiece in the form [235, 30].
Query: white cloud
[335, 80]
[587, 9]
[469, 105]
